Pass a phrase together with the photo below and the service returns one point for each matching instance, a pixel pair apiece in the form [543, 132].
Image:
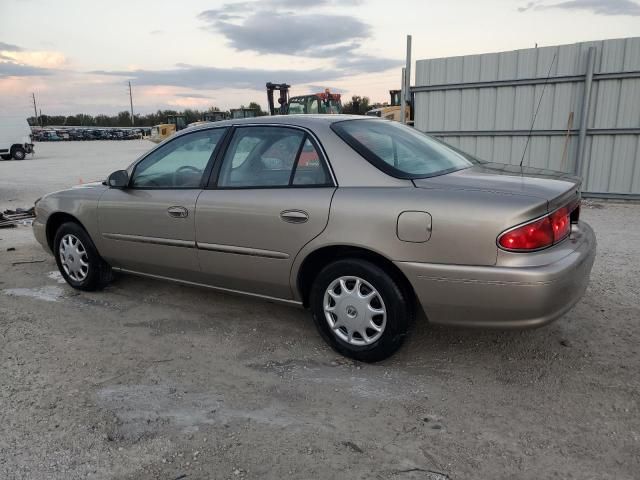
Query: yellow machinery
[162, 131]
[392, 111]
[165, 130]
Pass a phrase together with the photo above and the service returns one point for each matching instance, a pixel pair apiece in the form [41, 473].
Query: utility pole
[131, 103]
[405, 95]
[35, 109]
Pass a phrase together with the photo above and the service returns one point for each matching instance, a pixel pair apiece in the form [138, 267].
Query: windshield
[399, 150]
[313, 104]
[296, 106]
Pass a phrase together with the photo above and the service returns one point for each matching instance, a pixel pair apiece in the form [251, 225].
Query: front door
[271, 197]
[149, 227]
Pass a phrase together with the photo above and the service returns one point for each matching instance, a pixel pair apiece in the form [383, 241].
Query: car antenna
[538, 108]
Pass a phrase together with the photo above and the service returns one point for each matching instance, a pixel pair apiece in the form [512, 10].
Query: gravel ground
[149, 380]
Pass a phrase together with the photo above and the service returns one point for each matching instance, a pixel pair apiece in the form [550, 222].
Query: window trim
[212, 184]
[380, 164]
[206, 172]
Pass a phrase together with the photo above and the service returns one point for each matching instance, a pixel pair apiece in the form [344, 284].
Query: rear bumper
[505, 297]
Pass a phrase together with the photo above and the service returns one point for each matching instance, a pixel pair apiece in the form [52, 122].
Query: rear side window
[263, 157]
[400, 151]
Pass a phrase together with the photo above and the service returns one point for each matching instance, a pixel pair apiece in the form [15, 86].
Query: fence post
[403, 96]
[584, 116]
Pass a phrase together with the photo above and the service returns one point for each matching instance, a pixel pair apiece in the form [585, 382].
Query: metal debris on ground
[11, 218]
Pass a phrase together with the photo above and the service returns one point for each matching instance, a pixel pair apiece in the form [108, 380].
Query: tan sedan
[359, 219]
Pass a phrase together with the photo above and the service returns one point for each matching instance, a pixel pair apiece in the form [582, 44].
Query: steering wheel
[184, 168]
[143, 181]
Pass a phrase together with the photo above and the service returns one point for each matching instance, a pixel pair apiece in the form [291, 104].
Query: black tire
[6, 157]
[99, 272]
[18, 153]
[397, 300]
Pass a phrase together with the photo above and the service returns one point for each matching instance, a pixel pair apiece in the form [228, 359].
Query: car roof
[307, 121]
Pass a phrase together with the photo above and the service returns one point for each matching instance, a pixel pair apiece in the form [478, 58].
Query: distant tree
[84, 119]
[105, 121]
[256, 106]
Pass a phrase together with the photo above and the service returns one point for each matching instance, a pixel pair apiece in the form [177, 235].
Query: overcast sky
[77, 56]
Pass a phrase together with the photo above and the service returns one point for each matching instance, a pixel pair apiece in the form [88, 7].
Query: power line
[538, 108]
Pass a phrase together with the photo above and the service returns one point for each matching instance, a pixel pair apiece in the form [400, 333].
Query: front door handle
[178, 212]
[294, 216]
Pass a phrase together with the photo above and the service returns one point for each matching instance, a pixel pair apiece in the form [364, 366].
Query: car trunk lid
[556, 188]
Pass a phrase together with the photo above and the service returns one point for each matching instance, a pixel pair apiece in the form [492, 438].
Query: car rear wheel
[360, 310]
[18, 153]
[78, 260]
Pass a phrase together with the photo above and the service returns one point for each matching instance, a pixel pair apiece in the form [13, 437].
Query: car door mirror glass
[118, 179]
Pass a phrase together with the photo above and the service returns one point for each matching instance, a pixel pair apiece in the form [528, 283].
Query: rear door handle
[294, 216]
[178, 212]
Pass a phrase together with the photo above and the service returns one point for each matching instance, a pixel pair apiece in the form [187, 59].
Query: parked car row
[56, 135]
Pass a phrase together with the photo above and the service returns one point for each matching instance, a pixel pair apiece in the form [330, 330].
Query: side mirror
[118, 179]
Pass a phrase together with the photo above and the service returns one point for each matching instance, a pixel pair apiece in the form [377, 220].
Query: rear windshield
[399, 150]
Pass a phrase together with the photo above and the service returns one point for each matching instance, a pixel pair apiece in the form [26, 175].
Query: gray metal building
[484, 104]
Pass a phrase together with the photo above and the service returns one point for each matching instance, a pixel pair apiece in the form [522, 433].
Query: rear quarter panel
[465, 224]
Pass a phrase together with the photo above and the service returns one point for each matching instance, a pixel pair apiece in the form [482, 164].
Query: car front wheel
[18, 153]
[360, 310]
[78, 260]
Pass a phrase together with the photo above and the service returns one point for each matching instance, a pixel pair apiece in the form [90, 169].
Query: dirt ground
[149, 380]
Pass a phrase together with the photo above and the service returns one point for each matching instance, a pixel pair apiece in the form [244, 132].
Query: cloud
[156, 32]
[10, 69]
[309, 35]
[209, 78]
[7, 47]
[320, 88]
[597, 7]
[192, 95]
[42, 59]
[267, 27]
[190, 76]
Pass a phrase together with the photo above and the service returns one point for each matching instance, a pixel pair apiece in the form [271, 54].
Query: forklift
[315, 103]
[244, 112]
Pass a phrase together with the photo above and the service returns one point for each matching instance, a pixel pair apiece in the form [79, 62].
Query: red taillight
[540, 233]
[532, 236]
[561, 224]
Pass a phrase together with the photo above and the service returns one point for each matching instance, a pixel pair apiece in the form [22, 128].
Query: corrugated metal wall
[484, 104]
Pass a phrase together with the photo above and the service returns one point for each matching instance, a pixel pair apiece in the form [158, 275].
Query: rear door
[149, 227]
[270, 196]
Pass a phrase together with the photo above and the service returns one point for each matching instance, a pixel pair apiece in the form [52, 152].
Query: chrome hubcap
[73, 257]
[354, 310]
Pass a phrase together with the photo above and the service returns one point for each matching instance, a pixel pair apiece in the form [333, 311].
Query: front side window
[178, 164]
[399, 150]
[271, 157]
